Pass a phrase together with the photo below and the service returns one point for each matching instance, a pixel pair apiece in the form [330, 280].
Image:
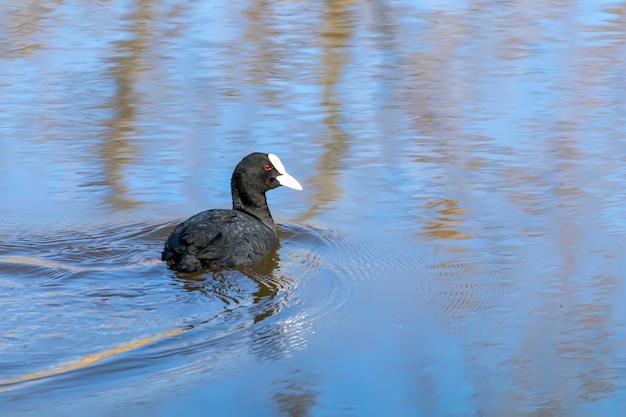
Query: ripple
[355, 258]
[266, 311]
[471, 288]
[126, 313]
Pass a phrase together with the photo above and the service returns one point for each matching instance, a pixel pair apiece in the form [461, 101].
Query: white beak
[289, 181]
[284, 178]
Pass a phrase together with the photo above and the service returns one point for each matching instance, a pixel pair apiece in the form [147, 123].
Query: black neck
[253, 204]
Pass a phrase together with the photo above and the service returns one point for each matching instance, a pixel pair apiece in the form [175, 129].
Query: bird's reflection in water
[252, 293]
[270, 282]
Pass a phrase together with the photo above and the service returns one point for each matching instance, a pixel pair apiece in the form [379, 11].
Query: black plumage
[223, 238]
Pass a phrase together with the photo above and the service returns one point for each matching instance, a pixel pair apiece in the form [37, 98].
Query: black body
[218, 238]
[223, 238]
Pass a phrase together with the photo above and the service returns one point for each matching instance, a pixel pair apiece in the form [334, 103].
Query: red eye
[267, 167]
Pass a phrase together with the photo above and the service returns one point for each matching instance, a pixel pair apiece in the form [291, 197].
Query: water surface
[456, 250]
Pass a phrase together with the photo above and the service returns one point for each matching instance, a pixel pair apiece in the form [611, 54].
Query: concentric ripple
[97, 304]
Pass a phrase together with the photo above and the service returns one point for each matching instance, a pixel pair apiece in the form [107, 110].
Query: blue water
[456, 250]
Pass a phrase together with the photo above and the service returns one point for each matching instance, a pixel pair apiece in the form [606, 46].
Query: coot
[223, 238]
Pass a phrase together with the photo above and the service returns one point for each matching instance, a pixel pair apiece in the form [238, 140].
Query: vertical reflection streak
[116, 150]
[338, 26]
